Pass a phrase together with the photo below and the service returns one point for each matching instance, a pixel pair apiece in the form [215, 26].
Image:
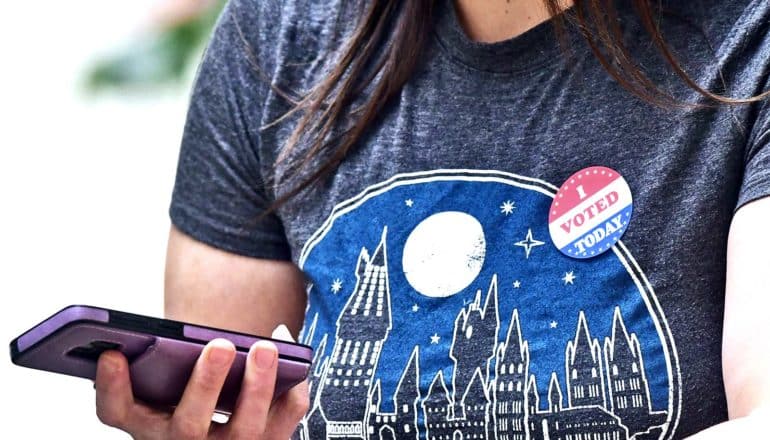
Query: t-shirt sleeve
[756, 175]
[219, 193]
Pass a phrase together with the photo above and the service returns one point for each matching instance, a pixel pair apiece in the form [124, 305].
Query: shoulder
[290, 32]
[726, 23]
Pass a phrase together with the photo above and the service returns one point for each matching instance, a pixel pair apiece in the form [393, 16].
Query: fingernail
[219, 353]
[264, 354]
[282, 332]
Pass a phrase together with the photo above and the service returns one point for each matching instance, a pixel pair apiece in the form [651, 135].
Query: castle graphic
[491, 394]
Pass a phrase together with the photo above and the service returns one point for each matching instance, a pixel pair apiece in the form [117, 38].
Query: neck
[490, 21]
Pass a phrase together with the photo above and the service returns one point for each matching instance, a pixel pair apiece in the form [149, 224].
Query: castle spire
[533, 396]
[437, 392]
[408, 389]
[369, 304]
[554, 394]
[620, 339]
[514, 349]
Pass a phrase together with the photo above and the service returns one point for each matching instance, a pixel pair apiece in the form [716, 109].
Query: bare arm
[208, 286]
[746, 342]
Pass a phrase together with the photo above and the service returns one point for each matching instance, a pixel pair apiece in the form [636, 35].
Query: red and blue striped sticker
[590, 212]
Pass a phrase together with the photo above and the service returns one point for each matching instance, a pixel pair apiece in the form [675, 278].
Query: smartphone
[161, 353]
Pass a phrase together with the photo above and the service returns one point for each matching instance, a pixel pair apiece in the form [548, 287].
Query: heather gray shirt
[439, 307]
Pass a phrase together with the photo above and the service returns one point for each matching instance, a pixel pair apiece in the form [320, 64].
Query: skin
[209, 286]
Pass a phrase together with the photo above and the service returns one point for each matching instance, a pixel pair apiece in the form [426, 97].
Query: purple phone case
[159, 366]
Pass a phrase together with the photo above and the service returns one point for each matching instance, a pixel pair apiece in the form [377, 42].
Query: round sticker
[590, 212]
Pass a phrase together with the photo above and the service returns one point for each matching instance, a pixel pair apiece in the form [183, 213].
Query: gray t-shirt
[439, 305]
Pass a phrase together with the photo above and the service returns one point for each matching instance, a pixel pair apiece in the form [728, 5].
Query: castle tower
[348, 380]
[407, 398]
[436, 409]
[584, 368]
[475, 338]
[533, 410]
[509, 387]
[554, 395]
[628, 388]
[476, 406]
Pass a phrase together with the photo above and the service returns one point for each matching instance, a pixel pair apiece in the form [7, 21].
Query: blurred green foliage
[155, 59]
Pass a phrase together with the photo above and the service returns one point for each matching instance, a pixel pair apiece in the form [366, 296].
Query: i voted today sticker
[590, 212]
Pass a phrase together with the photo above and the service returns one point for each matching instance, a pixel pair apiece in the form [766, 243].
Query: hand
[255, 415]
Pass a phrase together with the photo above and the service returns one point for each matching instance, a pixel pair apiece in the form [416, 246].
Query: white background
[85, 184]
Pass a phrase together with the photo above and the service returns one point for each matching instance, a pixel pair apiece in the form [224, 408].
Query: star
[336, 285]
[409, 202]
[569, 278]
[554, 324]
[507, 207]
[528, 243]
[435, 338]
[516, 284]
[415, 308]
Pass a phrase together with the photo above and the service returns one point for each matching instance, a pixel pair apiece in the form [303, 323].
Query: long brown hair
[384, 50]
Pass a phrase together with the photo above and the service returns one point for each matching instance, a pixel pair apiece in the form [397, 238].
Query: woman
[406, 164]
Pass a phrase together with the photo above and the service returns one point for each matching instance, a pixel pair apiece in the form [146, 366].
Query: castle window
[518, 386]
[407, 428]
[510, 369]
[405, 409]
[574, 374]
[614, 370]
[502, 386]
[364, 353]
[469, 332]
[593, 372]
[345, 353]
[510, 385]
[634, 368]
[521, 368]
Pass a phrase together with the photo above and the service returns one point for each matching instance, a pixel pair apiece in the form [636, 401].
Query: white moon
[444, 254]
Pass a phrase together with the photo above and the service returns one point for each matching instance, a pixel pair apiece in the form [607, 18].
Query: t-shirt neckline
[536, 47]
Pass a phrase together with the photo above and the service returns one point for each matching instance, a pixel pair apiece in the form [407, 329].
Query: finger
[287, 411]
[192, 417]
[114, 399]
[251, 410]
